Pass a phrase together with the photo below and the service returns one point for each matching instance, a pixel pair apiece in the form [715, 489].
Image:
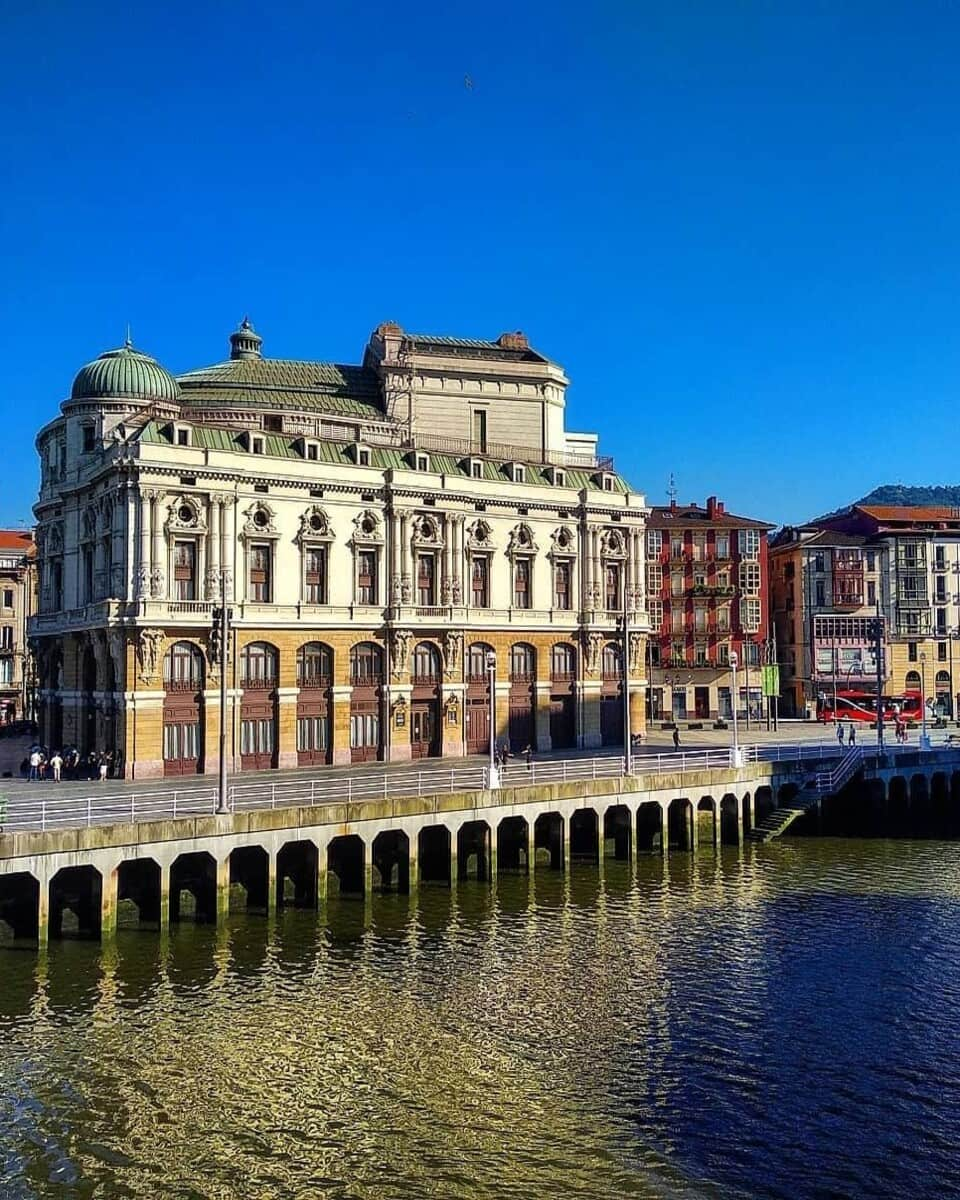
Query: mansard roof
[383, 458]
[285, 383]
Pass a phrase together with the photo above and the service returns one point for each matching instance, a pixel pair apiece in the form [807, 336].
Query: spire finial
[128, 341]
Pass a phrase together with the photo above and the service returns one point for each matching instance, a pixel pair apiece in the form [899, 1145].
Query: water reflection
[696, 1025]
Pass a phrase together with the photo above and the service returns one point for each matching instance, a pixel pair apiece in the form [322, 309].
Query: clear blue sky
[734, 224]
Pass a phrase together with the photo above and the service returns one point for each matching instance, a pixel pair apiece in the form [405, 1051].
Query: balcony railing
[466, 448]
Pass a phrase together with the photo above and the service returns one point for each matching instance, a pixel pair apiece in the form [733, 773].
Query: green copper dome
[127, 374]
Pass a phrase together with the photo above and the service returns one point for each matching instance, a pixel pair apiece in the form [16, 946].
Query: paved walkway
[807, 733]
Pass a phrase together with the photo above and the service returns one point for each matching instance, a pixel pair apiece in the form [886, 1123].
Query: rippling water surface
[777, 1023]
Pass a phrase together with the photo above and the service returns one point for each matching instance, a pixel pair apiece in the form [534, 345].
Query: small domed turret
[246, 342]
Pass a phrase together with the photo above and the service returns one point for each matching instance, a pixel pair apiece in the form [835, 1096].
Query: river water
[777, 1022]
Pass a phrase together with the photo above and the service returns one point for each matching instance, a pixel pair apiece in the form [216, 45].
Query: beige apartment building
[17, 604]
[831, 578]
[382, 532]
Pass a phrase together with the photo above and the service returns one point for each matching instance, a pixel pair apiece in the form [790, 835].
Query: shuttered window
[260, 574]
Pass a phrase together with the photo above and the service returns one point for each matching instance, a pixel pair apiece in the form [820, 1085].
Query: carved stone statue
[118, 652]
[401, 652]
[636, 653]
[594, 648]
[156, 583]
[452, 653]
[149, 653]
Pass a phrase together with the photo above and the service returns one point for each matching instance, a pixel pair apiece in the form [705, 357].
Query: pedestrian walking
[528, 755]
[852, 736]
[676, 738]
[34, 765]
[840, 732]
[102, 767]
[56, 765]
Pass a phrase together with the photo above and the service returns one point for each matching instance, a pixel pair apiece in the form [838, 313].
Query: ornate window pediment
[426, 531]
[613, 544]
[314, 526]
[563, 542]
[367, 529]
[261, 521]
[54, 539]
[479, 536]
[521, 541]
[185, 514]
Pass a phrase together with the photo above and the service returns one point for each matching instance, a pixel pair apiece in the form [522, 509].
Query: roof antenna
[128, 344]
[672, 490]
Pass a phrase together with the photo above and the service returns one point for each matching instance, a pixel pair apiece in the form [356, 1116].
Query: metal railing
[26, 813]
[829, 781]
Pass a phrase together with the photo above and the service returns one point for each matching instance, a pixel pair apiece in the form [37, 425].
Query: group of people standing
[68, 763]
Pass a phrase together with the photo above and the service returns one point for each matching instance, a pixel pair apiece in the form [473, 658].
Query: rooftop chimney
[513, 341]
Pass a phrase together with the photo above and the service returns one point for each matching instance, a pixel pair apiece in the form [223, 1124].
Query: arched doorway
[366, 692]
[523, 678]
[944, 693]
[183, 710]
[425, 702]
[611, 696]
[563, 682]
[314, 705]
[478, 699]
[259, 670]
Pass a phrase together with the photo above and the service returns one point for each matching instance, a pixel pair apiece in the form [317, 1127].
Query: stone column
[116, 585]
[213, 548]
[446, 583]
[157, 572]
[130, 563]
[143, 560]
[596, 580]
[287, 727]
[108, 903]
[228, 537]
[341, 725]
[458, 576]
[491, 836]
[531, 846]
[223, 887]
[395, 553]
[413, 865]
[405, 583]
[664, 830]
[164, 896]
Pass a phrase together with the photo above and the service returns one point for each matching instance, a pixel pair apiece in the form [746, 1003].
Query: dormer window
[312, 451]
[182, 435]
[516, 471]
[608, 483]
[557, 476]
[363, 458]
[605, 481]
[476, 469]
[423, 462]
[256, 445]
[360, 454]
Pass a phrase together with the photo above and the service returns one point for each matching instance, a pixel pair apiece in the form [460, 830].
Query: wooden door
[424, 730]
[478, 725]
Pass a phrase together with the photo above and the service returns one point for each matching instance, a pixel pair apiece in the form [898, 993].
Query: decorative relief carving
[563, 543]
[367, 529]
[315, 526]
[261, 521]
[149, 653]
[118, 652]
[185, 514]
[521, 541]
[479, 536]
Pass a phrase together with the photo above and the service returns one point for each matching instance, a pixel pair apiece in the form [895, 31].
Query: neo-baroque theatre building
[379, 531]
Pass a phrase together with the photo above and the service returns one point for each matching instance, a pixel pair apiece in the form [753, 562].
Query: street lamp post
[924, 740]
[736, 758]
[493, 778]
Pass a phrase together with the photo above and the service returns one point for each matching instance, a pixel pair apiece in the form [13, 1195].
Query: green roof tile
[209, 437]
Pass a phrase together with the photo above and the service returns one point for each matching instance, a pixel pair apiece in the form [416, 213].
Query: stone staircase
[823, 783]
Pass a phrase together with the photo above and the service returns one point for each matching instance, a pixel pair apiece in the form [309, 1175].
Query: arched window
[183, 668]
[426, 663]
[314, 665]
[943, 679]
[366, 664]
[477, 662]
[611, 662]
[913, 680]
[523, 663]
[258, 665]
[563, 662]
